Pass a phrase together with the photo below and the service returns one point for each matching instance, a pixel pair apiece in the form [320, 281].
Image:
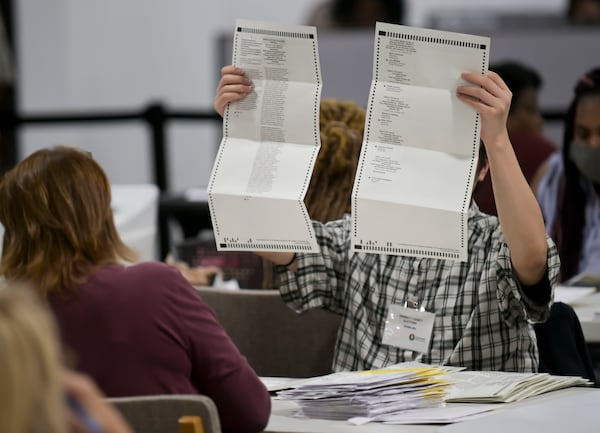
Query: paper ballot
[417, 166]
[270, 142]
[369, 394]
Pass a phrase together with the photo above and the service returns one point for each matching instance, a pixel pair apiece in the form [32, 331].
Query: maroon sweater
[531, 151]
[144, 330]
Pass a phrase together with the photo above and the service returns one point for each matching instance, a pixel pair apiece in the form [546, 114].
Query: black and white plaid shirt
[482, 316]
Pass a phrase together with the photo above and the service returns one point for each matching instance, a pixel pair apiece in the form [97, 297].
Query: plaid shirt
[482, 316]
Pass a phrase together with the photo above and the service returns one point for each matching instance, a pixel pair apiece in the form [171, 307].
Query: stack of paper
[505, 387]
[479, 387]
[369, 394]
[572, 294]
[585, 280]
[446, 414]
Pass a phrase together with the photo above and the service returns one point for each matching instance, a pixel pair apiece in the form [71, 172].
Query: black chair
[192, 216]
[561, 344]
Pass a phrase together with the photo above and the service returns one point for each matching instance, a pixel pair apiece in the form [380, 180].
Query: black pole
[8, 145]
[155, 115]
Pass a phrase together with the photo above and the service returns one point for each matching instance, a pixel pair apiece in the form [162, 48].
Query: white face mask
[587, 160]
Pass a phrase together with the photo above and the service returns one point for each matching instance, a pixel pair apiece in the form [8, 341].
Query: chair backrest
[275, 340]
[561, 344]
[161, 413]
[190, 424]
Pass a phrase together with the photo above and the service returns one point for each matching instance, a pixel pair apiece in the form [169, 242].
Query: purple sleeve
[219, 370]
[548, 189]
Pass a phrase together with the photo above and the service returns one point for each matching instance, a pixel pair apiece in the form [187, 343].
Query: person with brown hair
[161, 337]
[35, 384]
[483, 309]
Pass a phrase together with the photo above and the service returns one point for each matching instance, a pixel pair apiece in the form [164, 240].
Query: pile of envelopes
[371, 393]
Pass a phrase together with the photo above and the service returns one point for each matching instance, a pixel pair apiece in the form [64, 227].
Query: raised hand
[233, 86]
[491, 98]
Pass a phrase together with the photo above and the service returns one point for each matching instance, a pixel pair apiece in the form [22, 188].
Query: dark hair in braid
[568, 228]
[342, 124]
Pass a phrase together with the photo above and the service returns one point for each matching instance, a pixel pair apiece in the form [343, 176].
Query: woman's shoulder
[151, 269]
[149, 277]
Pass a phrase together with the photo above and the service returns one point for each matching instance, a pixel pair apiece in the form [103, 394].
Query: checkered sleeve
[512, 299]
[320, 278]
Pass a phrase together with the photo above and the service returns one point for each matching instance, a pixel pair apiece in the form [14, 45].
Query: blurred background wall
[124, 54]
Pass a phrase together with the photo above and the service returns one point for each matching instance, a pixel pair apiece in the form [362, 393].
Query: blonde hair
[31, 396]
[55, 206]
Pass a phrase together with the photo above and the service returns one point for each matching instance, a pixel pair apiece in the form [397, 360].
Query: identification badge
[408, 328]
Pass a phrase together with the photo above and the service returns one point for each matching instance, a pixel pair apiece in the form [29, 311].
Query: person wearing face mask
[568, 188]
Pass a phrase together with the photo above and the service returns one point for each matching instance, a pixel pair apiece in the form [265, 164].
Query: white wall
[110, 54]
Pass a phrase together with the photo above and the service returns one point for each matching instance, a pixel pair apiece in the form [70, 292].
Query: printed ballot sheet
[417, 166]
[270, 142]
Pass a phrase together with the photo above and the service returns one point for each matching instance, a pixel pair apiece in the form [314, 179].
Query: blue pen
[90, 423]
